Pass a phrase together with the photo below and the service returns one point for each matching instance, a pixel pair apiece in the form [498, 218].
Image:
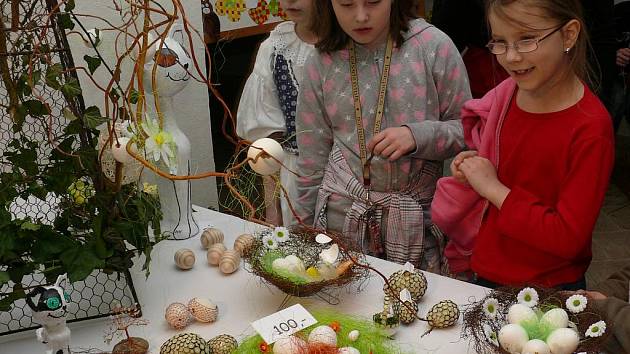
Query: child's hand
[482, 177]
[392, 143]
[455, 171]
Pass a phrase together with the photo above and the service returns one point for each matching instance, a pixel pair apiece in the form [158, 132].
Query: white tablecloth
[243, 298]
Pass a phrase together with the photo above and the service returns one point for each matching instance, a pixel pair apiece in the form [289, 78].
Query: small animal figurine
[50, 311]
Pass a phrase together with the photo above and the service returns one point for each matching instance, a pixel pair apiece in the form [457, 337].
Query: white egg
[268, 162]
[330, 255]
[324, 335]
[348, 350]
[512, 338]
[536, 346]
[289, 345]
[295, 264]
[323, 239]
[280, 264]
[563, 341]
[120, 151]
[520, 313]
[557, 318]
[354, 335]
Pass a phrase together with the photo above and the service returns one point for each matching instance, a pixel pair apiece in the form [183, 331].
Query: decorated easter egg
[295, 264]
[119, 150]
[211, 236]
[222, 344]
[203, 310]
[513, 337]
[243, 243]
[184, 258]
[177, 315]
[289, 345]
[230, 262]
[324, 335]
[215, 252]
[414, 280]
[557, 318]
[563, 341]
[266, 156]
[519, 313]
[443, 314]
[354, 335]
[185, 343]
[536, 346]
[348, 350]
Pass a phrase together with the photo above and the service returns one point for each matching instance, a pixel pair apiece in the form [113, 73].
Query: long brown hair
[563, 11]
[333, 38]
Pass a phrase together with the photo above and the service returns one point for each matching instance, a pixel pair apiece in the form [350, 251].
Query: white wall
[191, 104]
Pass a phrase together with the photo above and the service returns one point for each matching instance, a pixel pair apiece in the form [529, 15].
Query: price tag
[283, 323]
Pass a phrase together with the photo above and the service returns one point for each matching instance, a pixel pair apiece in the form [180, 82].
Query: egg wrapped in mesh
[184, 343]
[222, 344]
[408, 309]
[407, 278]
[442, 315]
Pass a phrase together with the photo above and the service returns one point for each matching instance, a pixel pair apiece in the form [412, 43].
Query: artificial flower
[270, 242]
[264, 347]
[335, 326]
[597, 329]
[151, 189]
[159, 144]
[280, 234]
[490, 307]
[576, 303]
[528, 297]
[491, 335]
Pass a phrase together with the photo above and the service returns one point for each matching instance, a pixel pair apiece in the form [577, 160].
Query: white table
[243, 298]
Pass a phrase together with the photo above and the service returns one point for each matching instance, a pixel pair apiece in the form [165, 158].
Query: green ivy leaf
[65, 22]
[80, 262]
[92, 117]
[4, 277]
[18, 118]
[27, 225]
[36, 108]
[134, 96]
[67, 113]
[53, 73]
[92, 62]
[69, 5]
[6, 302]
[71, 88]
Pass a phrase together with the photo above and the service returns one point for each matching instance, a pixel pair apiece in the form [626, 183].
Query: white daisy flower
[491, 335]
[597, 329]
[490, 307]
[280, 234]
[270, 242]
[576, 303]
[528, 297]
[159, 145]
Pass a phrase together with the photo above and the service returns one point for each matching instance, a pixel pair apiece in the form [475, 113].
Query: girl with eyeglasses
[377, 115]
[521, 205]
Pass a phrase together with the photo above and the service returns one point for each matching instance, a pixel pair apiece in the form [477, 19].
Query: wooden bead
[211, 236]
[184, 258]
[203, 310]
[215, 252]
[177, 315]
[243, 243]
[230, 262]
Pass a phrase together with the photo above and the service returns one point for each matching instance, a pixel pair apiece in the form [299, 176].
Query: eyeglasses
[522, 46]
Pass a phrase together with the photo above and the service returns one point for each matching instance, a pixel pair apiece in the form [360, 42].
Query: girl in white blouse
[269, 99]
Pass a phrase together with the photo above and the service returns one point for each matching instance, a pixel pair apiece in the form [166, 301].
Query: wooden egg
[177, 315]
[243, 243]
[203, 310]
[215, 252]
[230, 261]
[211, 236]
[184, 258]
[260, 154]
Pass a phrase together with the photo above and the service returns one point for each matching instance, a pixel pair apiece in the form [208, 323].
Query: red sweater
[557, 166]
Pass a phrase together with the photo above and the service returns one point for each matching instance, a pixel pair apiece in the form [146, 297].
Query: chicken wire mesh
[98, 293]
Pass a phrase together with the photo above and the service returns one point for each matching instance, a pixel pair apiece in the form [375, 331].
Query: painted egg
[512, 338]
[557, 318]
[243, 243]
[230, 262]
[211, 236]
[519, 313]
[289, 345]
[295, 264]
[119, 150]
[563, 341]
[266, 156]
[354, 335]
[177, 315]
[536, 346]
[185, 343]
[215, 252]
[203, 310]
[184, 258]
[222, 344]
[324, 335]
[348, 350]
